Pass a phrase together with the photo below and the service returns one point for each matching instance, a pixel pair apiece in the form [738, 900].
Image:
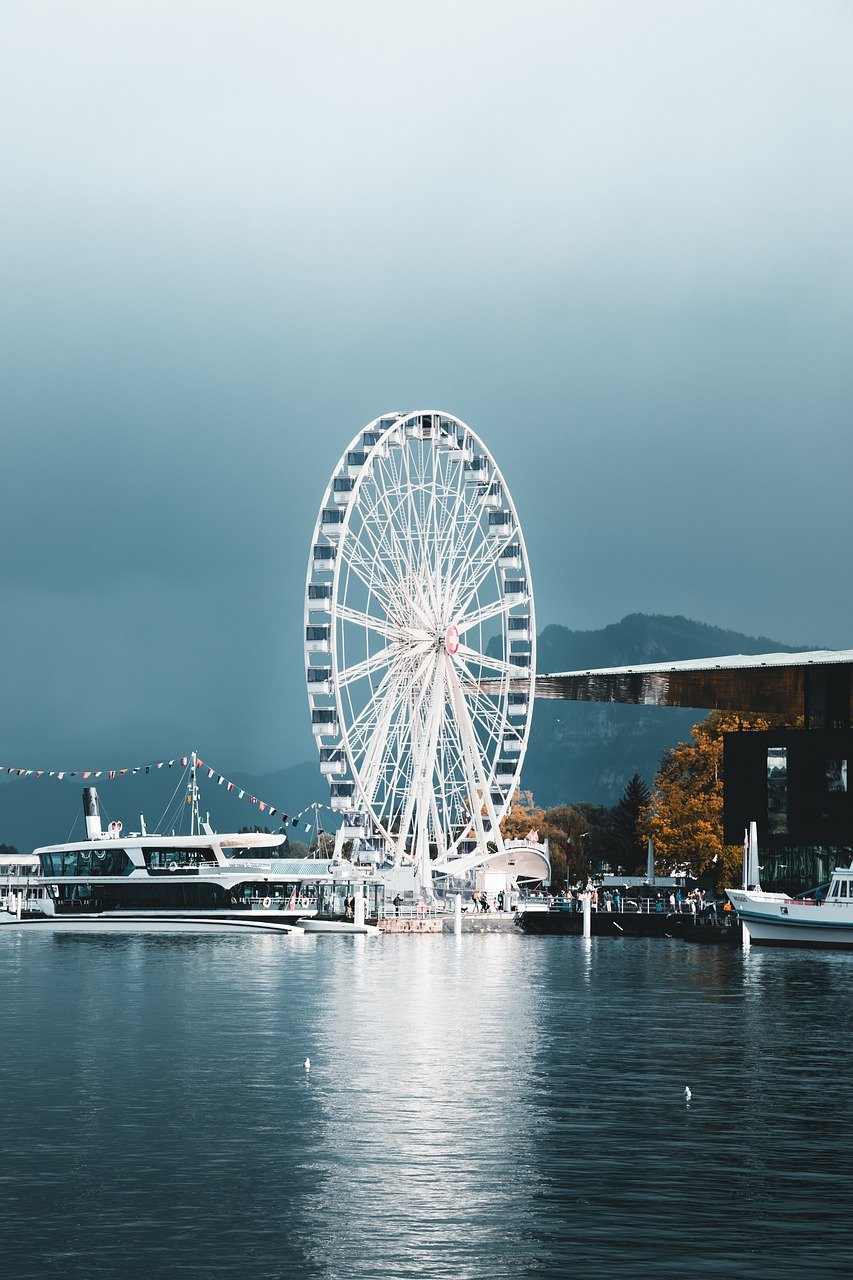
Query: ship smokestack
[92, 813]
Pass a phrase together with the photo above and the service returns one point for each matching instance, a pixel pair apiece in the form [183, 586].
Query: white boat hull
[149, 922]
[774, 920]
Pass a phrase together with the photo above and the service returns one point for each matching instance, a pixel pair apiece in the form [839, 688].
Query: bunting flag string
[241, 793]
[86, 774]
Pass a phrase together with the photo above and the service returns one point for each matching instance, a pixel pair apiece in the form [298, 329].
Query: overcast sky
[614, 236]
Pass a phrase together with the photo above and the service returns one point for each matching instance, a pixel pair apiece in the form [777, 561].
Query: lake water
[486, 1106]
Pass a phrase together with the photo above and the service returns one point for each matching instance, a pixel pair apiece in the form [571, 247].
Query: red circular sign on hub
[451, 640]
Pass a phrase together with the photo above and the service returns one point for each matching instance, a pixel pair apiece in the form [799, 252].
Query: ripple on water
[478, 1107]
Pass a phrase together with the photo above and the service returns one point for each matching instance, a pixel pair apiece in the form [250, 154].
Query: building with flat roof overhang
[793, 782]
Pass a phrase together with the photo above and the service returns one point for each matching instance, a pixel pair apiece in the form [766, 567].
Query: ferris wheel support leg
[426, 804]
[475, 769]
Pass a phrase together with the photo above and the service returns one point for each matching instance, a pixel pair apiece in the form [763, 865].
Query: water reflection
[484, 1106]
[421, 1105]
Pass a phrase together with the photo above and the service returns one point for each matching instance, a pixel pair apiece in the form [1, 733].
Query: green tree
[625, 840]
[573, 832]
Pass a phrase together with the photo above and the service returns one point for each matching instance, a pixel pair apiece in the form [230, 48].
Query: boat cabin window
[842, 890]
[112, 861]
[287, 894]
[834, 890]
[174, 859]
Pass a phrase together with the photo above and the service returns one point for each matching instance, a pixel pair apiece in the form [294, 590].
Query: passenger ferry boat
[775, 920]
[112, 882]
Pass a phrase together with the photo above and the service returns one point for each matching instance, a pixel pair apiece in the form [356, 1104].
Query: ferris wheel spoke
[372, 581]
[416, 531]
[455, 520]
[364, 720]
[377, 744]
[485, 699]
[377, 525]
[488, 716]
[378, 521]
[361, 619]
[485, 614]
[485, 660]
[366, 667]
[459, 784]
[475, 574]
[389, 543]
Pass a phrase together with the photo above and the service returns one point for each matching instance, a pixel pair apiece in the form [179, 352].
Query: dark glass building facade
[795, 785]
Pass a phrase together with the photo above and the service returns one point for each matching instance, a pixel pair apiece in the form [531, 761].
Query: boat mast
[195, 823]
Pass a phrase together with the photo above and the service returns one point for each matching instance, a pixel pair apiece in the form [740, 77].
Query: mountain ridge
[577, 751]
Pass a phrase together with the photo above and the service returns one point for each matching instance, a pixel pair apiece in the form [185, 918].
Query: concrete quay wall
[444, 924]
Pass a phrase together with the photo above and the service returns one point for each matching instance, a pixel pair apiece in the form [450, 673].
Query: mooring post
[587, 914]
[358, 909]
[457, 914]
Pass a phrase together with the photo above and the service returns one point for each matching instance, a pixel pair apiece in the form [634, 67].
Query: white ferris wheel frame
[442, 722]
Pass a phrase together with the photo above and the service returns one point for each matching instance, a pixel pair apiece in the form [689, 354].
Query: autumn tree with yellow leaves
[685, 818]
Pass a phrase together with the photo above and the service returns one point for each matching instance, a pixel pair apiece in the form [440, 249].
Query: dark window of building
[777, 791]
[836, 775]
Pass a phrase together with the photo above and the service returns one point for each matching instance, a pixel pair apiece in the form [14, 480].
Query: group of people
[695, 901]
[480, 902]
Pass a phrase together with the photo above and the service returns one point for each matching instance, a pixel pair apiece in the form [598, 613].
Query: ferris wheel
[420, 640]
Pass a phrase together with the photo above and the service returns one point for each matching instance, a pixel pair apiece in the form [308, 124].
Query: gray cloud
[614, 237]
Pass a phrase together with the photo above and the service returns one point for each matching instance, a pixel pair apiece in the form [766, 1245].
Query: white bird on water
[307, 1064]
[688, 1093]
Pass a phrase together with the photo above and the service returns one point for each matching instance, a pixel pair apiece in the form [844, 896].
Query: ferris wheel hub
[451, 640]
